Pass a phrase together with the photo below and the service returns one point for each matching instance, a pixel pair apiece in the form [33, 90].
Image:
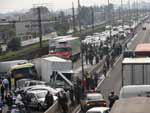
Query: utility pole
[81, 47]
[109, 21]
[92, 13]
[79, 9]
[39, 25]
[122, 14]
[73, 16]
[129, 12]
[137, 10]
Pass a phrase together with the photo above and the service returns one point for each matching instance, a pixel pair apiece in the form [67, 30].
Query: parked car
[38, 99]
[92, 100]
[98, 110]
[40, 87]
[29, 82]
[34, 82]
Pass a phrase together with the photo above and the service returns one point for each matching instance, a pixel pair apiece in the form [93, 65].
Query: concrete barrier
[54, 108]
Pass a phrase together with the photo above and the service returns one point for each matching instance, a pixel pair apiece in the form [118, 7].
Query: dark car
[92, 100]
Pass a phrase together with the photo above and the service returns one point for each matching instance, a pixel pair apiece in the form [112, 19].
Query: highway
[113, 80]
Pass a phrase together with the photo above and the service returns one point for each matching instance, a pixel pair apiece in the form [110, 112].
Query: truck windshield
[24, 71]
[63, 49]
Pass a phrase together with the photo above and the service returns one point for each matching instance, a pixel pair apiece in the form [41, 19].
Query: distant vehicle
[92, 100]
[98, 110]
[121, 34]
[37, 99]
[61, 46]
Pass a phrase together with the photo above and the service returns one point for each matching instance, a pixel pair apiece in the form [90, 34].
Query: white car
[34, 82]
[41, 87]
[98, 110]
[38, 98]
[92, 100]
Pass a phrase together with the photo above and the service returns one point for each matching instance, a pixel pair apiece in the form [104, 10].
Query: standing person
[104, 70]
[88, 80]
[5, 83]
[71, 94]
[107, 61]
[9, 80]
[112, 98]
[49, 100]
[26, 100]
[9, 100]
[95, 79]
[2, 92]
[60, 101]
[65, 103]
[77, 94]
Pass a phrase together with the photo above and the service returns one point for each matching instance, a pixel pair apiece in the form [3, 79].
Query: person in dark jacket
[2, 92]
[65, 103]
[9, 100]
[49, 100]
[71, 94]
[112, 98]
[9, 79]
[77, 92]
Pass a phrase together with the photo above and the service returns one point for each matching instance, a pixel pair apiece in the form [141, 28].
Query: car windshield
[41, 95]
[62, 49]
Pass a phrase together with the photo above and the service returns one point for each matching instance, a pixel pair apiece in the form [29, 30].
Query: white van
[134, 91]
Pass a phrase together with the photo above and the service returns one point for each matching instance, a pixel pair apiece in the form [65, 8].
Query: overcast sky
[11, 5]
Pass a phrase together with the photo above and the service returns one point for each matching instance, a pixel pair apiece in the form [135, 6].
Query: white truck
[136, 71]
[55, 70]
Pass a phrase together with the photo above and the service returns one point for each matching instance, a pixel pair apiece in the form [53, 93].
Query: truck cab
[23, 70]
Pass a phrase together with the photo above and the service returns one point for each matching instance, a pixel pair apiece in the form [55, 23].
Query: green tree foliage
[14, 44]
[85, 16]
[62, 24]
